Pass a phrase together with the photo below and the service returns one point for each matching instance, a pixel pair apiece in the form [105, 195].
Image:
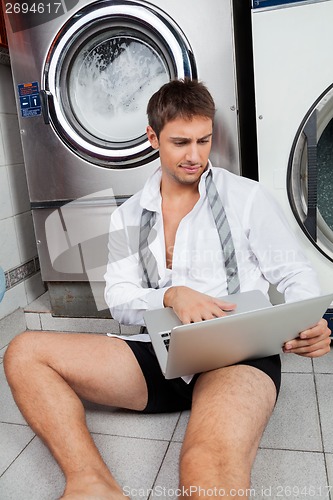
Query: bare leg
[230, 410]
[48, 373]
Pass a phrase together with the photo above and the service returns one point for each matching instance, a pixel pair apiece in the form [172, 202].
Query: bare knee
[222, 455]
[229, 465]
[201, 453]
[21, 352]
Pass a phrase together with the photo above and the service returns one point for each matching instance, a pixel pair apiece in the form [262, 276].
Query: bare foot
[82, 486]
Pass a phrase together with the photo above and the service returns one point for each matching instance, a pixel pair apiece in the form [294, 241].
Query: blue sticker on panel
[260, 4]
[29, 99]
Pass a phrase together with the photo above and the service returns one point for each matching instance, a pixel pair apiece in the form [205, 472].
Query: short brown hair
[179, 99]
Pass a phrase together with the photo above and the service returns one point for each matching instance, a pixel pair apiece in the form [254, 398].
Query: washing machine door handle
[45, 98]
[310, 131]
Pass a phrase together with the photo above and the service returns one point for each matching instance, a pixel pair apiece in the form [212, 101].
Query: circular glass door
[100, 73]
[310, 175]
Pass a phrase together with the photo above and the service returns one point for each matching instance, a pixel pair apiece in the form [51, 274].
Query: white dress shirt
[266, 249]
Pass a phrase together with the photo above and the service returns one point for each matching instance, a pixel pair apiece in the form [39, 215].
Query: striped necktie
[148, 261]
[223, 228]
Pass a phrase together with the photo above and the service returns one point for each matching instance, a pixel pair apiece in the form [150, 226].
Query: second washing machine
[292, 46]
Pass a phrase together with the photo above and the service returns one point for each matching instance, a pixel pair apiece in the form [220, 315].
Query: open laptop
[254, 330]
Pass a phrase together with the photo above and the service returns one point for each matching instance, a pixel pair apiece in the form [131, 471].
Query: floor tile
[324, 364]
[294, 424]
[279, 474]
[33, 321]
[181, 427]
[134, 462]
[13, 439]
[296, 364]
[36, 476]
[2, 353]
[329, 467]
[324, 384]
[33, 476]
[118, 422]
[166, 484]
[9, 413]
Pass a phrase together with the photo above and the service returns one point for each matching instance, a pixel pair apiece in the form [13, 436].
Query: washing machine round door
[101, 70]
[310, 175]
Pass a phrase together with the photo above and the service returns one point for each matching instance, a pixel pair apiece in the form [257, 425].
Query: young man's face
[184, 147]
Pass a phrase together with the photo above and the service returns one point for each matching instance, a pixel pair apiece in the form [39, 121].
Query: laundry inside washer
[325, 174]
[110, 83]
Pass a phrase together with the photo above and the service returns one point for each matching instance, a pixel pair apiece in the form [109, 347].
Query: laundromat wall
[18, 251]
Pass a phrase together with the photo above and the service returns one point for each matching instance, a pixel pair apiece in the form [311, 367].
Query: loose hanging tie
[148, 261]
[223, 228]
[146, 258]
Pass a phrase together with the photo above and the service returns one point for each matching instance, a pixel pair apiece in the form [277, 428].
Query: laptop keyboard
[166, 340]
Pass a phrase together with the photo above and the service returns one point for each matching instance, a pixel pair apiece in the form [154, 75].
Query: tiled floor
[295, 459]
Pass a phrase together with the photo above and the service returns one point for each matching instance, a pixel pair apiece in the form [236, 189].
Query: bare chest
[172, 217]
[170, 229]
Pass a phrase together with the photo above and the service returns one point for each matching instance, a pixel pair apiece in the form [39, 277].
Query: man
[185, 264]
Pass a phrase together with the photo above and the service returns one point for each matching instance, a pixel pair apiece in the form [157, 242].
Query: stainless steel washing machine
[83, 73]
[293, 68]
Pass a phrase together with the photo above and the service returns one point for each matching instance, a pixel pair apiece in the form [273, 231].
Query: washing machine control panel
[264, 4]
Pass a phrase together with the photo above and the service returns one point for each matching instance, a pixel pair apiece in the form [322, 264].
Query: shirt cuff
[156, 297]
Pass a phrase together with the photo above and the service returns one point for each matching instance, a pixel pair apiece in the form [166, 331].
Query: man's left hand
[311, 343]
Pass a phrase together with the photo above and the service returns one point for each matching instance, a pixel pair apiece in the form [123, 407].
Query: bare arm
[192, 306]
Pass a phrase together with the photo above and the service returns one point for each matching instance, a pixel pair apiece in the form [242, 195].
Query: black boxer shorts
[175, 394]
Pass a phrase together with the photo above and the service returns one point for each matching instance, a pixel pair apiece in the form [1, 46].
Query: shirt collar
[151, 194]
[202, 183]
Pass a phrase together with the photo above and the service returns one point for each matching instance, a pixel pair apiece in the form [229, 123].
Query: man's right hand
[192, 306]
